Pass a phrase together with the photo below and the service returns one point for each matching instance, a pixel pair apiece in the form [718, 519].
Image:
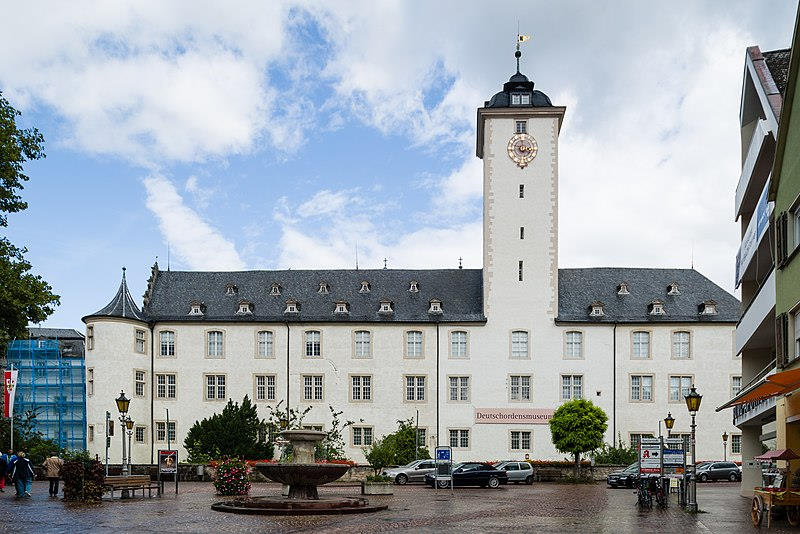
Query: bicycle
[644, 498]
[661, 495]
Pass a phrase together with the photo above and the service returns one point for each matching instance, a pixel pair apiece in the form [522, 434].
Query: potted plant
[377, 485]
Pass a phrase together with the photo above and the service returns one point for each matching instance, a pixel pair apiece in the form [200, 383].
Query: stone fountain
[302, 476]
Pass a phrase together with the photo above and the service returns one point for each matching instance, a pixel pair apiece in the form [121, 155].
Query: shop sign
[514, 416]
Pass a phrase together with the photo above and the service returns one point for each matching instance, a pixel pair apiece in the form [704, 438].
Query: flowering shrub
[556, 463]
[232, 477]
[351, 463]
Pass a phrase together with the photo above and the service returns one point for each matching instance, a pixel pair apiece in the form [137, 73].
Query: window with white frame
[520, 387]
[736, 385]
[641, 345]
[422, 435]
[89, 337]
[324, 288]
[414, 344]
[139, 383]
[386, 307]
[636, 439]
[167, 343]
[795, 216]
[313, 344]
[679, 387]
[361, 347]
[165, 385]
[413, 286]
[521, 127]
[571, 387]
[140, 434]
[364, 287]
[459, 388]
[459, 438]
[736, 444]
[161, 431]
[312, 388]
[265, 387]
[573, 345]
[265, 344]
[275, 290]
[641, 388]
[196, 309]
[215, 387]
[215, 344]
[362, 436]
[245, 308]
[458, 344]
[90, 381]
[141, 346]
[341, 307]
[681, 348]
[415, 388]
[520, 440]
[519, 344]
[361, 387]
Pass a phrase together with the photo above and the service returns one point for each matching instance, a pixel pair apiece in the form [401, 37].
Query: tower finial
[384, 263]
[459, 262]
[123, 273]
[520, 39]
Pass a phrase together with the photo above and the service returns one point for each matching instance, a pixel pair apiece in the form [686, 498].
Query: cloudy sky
[256, 135]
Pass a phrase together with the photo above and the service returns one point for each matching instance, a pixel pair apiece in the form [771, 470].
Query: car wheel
[443, 483]
[732, 478]
[494, 483]
[401, 479]
[703, 478]
[529, 480]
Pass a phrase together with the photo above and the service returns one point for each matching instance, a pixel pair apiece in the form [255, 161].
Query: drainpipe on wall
[614, 387]
[288, 381]
[152, 383]
[437, 384]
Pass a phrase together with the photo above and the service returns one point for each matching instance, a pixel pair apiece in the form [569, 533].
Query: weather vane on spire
[520, 39]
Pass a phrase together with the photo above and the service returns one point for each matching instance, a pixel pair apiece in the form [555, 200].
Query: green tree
[398, 448]
[236, 432]
[618, 454]
[24, 297]
[578, 427]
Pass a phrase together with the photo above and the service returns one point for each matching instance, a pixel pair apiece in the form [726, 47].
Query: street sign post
[444, 466]
[650, 456]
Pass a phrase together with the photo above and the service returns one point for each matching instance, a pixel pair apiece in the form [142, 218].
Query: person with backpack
[11, 458]
[52, 468]
[22, 474]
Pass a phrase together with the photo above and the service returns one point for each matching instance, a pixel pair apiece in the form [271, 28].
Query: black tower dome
[518, 91]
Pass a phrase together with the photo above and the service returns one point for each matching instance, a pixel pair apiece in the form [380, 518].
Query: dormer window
[324, 288]
[413, 287]
[708, 307]
[657, 308]
[622, 289]
[596, 309]
[231, 289]
[275, 290]
[292, 306]
[436, 306]
[341, 307]
[196, 308]
[672, 289]
[245, 308]
[520, 99]
[364, 287]
[386, 307]
[520, 127]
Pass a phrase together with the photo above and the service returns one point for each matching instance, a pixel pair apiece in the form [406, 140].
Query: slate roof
[578, 288]
[459, 290]
[518, 83]
[53, 333]
[778, 63]
[122, 305]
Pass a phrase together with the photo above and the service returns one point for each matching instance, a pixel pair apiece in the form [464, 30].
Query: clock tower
[518, 141]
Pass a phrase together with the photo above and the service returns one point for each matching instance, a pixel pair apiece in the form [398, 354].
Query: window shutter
[781, 324]
[781, 239]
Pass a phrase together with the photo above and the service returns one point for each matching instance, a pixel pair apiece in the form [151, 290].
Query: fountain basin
[277, 506]
[302, 479]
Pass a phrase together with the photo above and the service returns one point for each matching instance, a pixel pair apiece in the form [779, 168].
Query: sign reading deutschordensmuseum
[521, 416]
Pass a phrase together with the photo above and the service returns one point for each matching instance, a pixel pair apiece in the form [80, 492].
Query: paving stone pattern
[538, 508]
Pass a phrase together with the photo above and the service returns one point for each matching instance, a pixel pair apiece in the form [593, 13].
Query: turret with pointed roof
[122, 305]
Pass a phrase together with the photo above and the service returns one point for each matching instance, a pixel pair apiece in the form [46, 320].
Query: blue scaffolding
[51, 383]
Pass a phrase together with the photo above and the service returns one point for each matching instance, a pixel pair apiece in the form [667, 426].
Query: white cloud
[194, 241]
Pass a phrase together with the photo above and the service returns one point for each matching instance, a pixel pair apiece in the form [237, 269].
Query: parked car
[624, 477]
[719, 471]
[517, 471]
[472, 474]
[413, 472]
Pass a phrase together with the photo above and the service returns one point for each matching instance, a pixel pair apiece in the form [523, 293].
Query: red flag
[9, 389]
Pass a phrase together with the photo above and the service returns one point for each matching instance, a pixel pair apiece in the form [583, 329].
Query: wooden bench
[131, 483]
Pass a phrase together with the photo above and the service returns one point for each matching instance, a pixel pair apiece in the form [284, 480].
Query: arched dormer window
[657, 308]
[275, 290]
[324, 288]
[435, 306]
[245, 308]
[622, 289]
[196, 308]
[596, 309]
[386, 307]
[672, 289]
[292, 306]
[231, 289]
[364, 287]
[413, 286]
[341, 307]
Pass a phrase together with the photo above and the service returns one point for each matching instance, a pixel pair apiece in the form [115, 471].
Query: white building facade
[481, 356]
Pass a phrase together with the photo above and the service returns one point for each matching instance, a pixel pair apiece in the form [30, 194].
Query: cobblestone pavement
[538, 508]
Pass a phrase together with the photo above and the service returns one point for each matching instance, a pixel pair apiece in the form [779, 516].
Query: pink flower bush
[232, 477]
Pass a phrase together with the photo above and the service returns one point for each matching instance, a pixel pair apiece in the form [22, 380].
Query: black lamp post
[693, 404]
[129, 426]
[669, 422]
[123, 403]
[724, 446]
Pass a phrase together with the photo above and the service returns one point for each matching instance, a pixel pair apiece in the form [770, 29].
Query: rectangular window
[422, 435]
[521, 127]
[679, 387]
[459, 388]
[140, 430]
[165, 386]
[140, 341]
[90, 437]
[522, 232]
[414, 344]
[573, 345]
[459, 438]
[458, 344]
[736, 444]
[265, 345]
[636, 439]
[361, 388]
[90, 381]
[312, 388]
[89, 337]
[215, 344]
[167, 342]
[516, 99]
[139, 383]
[521, 190]
[641, 388]
[161, 431]
[520, 270]
[520, 440]
[736, 385]
[415, 388]
[265, 387]
[520, 387]
[519, 344]
[215, 387]
[680, 345]
[362, 344]
[362, 436]
[526, 99]
[641, 344]
[313, 344]
[571, 387]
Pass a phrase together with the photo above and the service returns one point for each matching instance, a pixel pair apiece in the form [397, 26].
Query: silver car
[517, 471]
[413, 472]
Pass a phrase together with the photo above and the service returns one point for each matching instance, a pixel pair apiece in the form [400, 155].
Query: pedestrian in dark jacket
[22, 475]
[3, 471]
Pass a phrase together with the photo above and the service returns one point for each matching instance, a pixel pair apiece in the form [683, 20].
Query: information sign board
[443, 454]
[650, 456]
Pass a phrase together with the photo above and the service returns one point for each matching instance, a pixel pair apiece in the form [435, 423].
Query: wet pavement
[539, 508]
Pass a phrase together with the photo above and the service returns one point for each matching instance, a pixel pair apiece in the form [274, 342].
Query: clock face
[522, 149]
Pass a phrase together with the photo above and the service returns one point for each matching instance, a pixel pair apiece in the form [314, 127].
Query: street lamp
[724, 446]
[669, 422]
[123, 403]
[693, 404]
[129, 426]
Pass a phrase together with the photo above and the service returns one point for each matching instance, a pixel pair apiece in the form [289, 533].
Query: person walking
[12, 458]
[3, 471]
[22, 475]
[52, 468]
